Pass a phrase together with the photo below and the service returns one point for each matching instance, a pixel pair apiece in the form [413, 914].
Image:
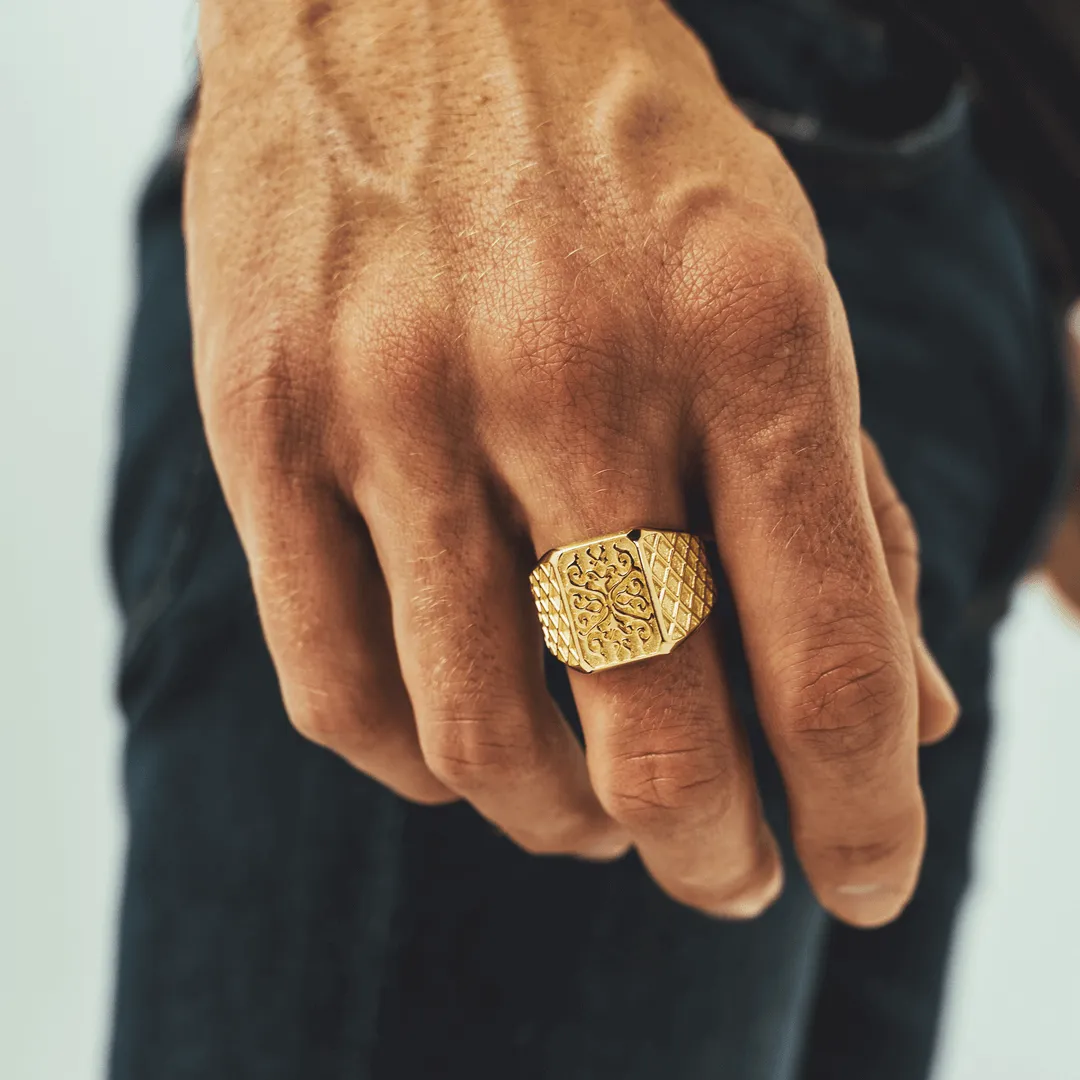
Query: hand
[1063, 558]
[471, 280]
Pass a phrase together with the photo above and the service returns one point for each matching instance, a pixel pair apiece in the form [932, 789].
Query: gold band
[622, 598]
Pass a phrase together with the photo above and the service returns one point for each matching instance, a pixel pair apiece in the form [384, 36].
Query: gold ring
[622, 598]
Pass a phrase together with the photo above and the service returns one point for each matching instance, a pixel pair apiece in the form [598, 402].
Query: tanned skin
[472, 279]
[1063, 559]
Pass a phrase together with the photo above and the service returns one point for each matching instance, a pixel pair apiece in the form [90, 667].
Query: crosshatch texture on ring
[622, 598]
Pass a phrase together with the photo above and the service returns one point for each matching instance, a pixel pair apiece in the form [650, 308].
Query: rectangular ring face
[608, 603]
[621, 598]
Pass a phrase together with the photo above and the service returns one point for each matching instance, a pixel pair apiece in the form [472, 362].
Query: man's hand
[472, 279]
[1062, 563]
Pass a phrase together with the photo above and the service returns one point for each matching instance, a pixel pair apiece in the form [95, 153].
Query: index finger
[828, 649]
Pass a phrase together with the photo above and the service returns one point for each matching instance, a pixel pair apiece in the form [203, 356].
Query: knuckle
[340, 707]
[767, 298]
[471, 751]
[787, 290]
[895, 843]
[854, 696]
[262, 411]
[259, 390]
[762, 321]
[326, 724]
[651, 788]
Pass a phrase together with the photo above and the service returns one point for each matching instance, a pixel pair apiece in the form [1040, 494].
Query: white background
[86, 87]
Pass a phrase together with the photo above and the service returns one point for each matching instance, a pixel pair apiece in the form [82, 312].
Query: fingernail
[763, 892]
[858, 890]
[752, 904]
[939, 685]
[607, 850]
[869, 903]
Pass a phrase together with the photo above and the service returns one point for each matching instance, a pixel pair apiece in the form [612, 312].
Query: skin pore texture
[472, 279]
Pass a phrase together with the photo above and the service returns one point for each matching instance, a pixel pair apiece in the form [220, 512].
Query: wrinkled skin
[472, 279]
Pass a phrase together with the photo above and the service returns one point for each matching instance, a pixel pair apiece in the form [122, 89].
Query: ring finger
[667, 758]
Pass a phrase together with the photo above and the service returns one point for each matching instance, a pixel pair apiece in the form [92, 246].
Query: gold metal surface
[622, 598]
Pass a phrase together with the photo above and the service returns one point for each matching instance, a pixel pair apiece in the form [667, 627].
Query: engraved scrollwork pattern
[609, 602]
